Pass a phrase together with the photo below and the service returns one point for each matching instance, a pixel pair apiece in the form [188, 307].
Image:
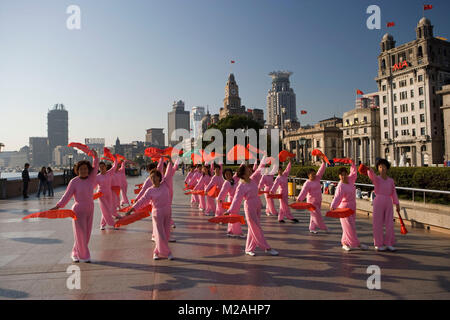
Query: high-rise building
[178, 118]
[39, 151]
[197, 114]
[445, 93]
[96, 144]
[155, 137]
[280, 100]
[57, 127]
[232, 101]
[410, 115]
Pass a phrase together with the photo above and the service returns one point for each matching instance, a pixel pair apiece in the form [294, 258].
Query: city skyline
[126, 83]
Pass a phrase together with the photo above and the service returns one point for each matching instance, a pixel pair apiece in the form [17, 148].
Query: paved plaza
[35, 255]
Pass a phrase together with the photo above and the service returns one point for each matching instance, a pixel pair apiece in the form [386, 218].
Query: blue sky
[131, 59]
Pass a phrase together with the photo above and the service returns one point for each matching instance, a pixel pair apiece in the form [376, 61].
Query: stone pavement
[35, 255]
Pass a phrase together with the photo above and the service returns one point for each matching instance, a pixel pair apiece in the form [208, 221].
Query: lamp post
[303, 143]
[70, 164]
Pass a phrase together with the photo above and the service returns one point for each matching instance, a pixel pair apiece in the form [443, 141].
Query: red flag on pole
[427, 7]
[232, 61]
[303, 112]
[390, 24]
[359, 92]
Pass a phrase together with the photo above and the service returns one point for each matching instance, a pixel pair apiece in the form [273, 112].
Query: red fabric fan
[318, 153]
[116, 189]
[340, 213]
[107, 154]
[97, 195]
[133, 201]
[342, 160]
[213, 192]
[302, 206]
[198, 192]
[196, 158]
[275, 196]
[261, 192]
[152, 152]
[139, 185]
[82, 147]
[283, 155]
[232, 218]
[120, 158]
[239, 152]
[363, 169]
[125, 209]
[226, 205]
[136, 191]
[402, 225]
[139, 215]
[53, 214]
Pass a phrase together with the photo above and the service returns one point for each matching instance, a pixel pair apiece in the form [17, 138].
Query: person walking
[50, 178]
[25, 180]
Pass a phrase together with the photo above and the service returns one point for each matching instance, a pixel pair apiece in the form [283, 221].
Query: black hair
[230, 171]
[108, 166]
[27, 164]
[156, 172]
[383, 161]
[342, 170]
[151, 166]
[83, 163]
[310, 171]
[101, 162]
[49, 169]
[241, 171]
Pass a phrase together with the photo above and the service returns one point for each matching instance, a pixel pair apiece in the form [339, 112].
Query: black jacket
[25, 175]
[42, 177]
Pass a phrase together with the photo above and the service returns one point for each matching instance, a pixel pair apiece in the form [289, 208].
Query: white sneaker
[363, 247]
[268, 214]
[75, 259]
[346, 248]
[170, 257]
[313, 231]
[230, 235]
[391, 248]
[250, 253]
[272, 252]
[153, 238]
[383, 248]
[155, 257]
[102, 228]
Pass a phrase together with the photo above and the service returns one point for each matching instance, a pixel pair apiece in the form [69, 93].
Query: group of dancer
[246, 184]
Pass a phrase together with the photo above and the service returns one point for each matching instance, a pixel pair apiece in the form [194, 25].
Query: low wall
[14, 188]
[415, 214]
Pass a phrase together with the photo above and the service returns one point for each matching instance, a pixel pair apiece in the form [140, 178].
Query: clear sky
[120, 73]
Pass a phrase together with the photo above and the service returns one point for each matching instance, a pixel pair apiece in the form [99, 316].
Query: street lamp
[70, 164]
[303, 143]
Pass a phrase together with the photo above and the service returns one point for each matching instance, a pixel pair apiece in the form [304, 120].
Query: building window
[404, 108]
[365, 119]
[404, 120]
[384, 99]
[384, 87]
[386, 135]
[420, 78]
[396, 133]
[385, 123]
[318, 144]
[422, 117]
[413, 132]
[412, 93]
[420, 91]
[395, 109]
[384, 111]
[421, 104]
[422, 131]
[423, 148]
[412, 106]
[413, 119]
[393, 84]
[395, 122]
[355, 131]
[395, 97]
[411, 81]
[402, 83]
[365, 130]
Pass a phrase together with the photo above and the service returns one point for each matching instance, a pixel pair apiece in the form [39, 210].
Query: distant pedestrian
[42, 176]
[25, 180]
[50, 178]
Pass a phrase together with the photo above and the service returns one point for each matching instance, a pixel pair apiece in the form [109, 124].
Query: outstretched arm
[321, 171]
[337, 197]
[96, 161]
[237, 199]
[67, 196]
[288, 169]
[353, 173]
[304, 192]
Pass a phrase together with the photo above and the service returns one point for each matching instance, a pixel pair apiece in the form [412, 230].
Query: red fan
[125, 209]
[261, 192]
[239, 152]
[53, 214]
[97, 195]
[213, 156]
[107, 154]
[302, 206]
[283, 155]
[232, 218]
[275, 196]
[226, 205]
[342, 160]
[340, 213]
[213, 192]
[318, 153]
[152, 152]
[82, 147]
[198, 192]
[120, 158]
[133, 201]
[136, 191]
[139, 185]
[196, 158]
[139, 215]
[402, 225]
[363, 169]
[116, 190]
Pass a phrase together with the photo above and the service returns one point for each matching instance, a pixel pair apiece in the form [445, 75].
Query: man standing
[25, 179]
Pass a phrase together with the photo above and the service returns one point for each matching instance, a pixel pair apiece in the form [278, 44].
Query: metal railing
[424, 191]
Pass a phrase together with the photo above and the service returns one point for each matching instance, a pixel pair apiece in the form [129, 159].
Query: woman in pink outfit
[311, 190]
[228, 189]
[82, 189]
[158, 196]
[195, 199]
[147, 183]
[266, 184]
[103, 181]
[168, 179]
[248, 190]
[123, 183]
[383, 213]
[281, 183]
[189, 176]
[216, 181]
[345, 197]
[115, 186]
[201, 184]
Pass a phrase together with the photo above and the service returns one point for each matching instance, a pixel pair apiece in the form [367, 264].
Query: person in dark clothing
[25, 180]
[42, 176]
[50, 177]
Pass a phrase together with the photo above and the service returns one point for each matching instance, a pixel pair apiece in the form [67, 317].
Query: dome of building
[387, 36]
[424, 21]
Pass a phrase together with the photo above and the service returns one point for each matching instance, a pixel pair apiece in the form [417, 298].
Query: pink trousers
[235, 228]
[316, 219]
[285, 210]
[161, 231]
[219, 209]
[383, 215]
[270, 206]
[349, 236]
[202, 202]
[210, 205]
[124, 189]
[82, 228]
[108, 212]
[255, 235]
